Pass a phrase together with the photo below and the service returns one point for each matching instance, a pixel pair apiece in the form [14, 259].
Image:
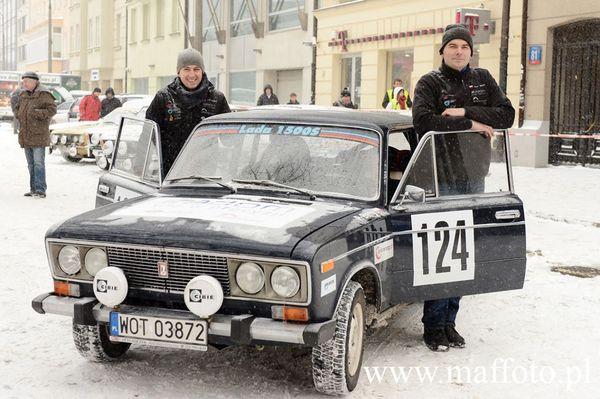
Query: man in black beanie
[183, 103]
[453, 98]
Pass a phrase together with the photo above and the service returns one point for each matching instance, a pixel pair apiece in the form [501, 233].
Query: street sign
[94, 75]
[535, 55]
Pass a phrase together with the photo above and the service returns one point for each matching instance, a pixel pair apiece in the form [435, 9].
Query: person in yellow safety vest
[400, 99]
[389, 95]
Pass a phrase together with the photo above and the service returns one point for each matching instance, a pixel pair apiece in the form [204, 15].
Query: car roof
[336, 116]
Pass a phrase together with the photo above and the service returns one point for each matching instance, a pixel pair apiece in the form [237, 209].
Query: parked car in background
[81, 140]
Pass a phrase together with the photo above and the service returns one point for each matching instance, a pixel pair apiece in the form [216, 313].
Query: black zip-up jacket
[178, 110]
[460, 158]
[109, 105]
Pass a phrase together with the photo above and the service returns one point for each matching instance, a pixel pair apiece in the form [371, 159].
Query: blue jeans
[37, 169]
[440, 312]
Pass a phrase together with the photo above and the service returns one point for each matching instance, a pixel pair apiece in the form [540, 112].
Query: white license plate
[181, 331]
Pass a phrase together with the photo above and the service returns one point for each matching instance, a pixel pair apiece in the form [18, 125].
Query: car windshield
[330, 161]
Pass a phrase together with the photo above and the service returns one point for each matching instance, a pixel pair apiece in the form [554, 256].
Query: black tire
[93, 343]
[69, 158]
[332, 369]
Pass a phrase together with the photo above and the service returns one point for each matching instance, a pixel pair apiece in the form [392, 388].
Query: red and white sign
[383, 251]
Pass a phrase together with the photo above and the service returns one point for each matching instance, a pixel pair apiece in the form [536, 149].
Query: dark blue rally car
[284, 226]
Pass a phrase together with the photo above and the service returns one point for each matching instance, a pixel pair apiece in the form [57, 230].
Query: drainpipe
[523, 62]
[313, 65]
[126, 47]
[504, 44]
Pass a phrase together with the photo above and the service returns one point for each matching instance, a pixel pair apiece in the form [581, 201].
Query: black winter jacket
[177, 111]
[461, 159]
[109, 105]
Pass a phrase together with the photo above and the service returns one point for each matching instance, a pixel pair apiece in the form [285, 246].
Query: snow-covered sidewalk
[542, 341]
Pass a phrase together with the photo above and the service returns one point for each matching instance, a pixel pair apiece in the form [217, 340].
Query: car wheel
[336, 363]
[69, 158]
[93, 343]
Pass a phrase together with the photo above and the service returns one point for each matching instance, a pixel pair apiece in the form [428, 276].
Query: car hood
[72, 127]
[234, 223]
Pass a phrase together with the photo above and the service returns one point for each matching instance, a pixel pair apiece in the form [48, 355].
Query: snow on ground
[542, 341]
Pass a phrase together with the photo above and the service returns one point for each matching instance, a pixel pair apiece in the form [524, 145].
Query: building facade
[8, 30]
[365, 44]
[34, 21]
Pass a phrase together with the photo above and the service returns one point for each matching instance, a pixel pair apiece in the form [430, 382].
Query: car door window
[136, 153]
[459, 163]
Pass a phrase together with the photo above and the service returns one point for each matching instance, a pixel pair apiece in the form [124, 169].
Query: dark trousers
[440, 312]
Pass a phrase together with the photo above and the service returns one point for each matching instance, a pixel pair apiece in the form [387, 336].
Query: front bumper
[223, 329]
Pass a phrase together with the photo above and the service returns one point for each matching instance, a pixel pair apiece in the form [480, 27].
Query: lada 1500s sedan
[284, 226]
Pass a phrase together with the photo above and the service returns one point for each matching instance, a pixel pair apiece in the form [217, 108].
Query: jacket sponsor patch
[383, 251]
[328, 286]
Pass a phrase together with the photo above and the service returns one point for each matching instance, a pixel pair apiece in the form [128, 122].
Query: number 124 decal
[447, 252]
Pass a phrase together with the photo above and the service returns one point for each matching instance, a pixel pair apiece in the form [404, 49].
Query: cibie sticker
[443, 247]
[328, 286]
[383, 251]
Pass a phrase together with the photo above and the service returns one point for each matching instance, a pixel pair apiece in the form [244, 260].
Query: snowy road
[542, 341]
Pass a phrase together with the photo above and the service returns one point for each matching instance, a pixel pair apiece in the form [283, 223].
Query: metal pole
[523, 62]
[50, 36]
[126, 47]
[313, 65]
[504, 44]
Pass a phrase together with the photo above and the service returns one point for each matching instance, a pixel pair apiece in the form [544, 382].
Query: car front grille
[140, 266]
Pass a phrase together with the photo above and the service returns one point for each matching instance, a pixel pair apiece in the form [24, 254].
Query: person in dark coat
[293, 99]
[268, 97]
[457, 97]
[110, 103]
[345, 100]
[34, 111]
[183, 103]
[14, 105]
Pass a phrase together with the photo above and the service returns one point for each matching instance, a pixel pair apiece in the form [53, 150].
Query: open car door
[136, 163]
[458, 225]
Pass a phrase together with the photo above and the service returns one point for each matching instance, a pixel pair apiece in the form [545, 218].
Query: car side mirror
[415, 193]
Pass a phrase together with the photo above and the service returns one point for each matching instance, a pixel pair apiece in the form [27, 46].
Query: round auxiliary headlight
[127, 164]
[75, 139]
[250, 278]
[95, 139]
[102, 162]
[107, 148]
[122, 150]
[63, 139]
[69, 260]
[95, 260]
[55, 139]
[285, 281]
[73, 151]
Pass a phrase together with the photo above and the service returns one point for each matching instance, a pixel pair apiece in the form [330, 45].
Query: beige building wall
[381, 17]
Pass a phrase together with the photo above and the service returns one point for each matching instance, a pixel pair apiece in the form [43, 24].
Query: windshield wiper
[212, 179]
[271, 183]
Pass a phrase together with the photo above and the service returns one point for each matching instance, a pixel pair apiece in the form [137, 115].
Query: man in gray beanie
[183, 103]
[457, 97]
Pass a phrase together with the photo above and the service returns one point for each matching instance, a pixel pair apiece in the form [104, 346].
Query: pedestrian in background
[389, 94]
[293, 99]
[110, 103]
[345, 100]
[268, 97]
[183, 103]
[34, 111]
[90, 106]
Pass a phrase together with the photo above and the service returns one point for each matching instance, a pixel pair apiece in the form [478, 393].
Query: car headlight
[285, 281]
[54, 138]
[95, 139]
[69, 260]
[107, 148]
[63, 139]
[95, 260]
[122, 150]
[73, 151]
[75, 139]
[250, 278]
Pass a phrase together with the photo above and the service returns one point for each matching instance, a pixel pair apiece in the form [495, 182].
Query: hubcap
[355, 340]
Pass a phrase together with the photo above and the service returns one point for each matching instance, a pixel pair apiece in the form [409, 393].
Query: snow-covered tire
[93, 343]
[336, 363]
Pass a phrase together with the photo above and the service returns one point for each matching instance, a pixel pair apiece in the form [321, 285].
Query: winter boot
[456, 341]
[435, 339]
